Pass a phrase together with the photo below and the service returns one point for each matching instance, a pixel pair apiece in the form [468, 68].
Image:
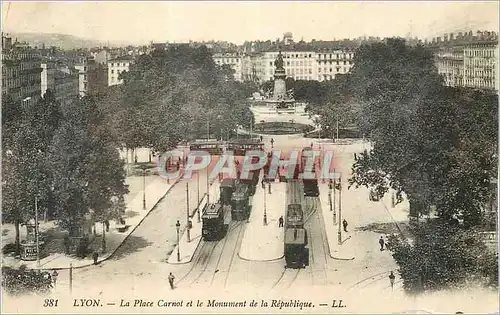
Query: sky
[238, 21]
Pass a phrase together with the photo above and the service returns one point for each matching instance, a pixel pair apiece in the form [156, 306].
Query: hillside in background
[61, 40]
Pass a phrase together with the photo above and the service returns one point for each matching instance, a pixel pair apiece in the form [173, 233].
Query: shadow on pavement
[131, 245]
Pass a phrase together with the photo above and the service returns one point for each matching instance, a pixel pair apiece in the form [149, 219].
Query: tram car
[311, 188]
[213, 228]
[239, 147]
[213, 147]
[251, 182]
[227, 188]
[240, 207]
[296, 253]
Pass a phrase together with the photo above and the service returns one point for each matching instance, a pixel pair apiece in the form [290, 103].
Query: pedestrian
[392, 277]
[280, 220]
[263, 184]
[344, 223]
[107, 225]
[135, 159]
[381, 242]
[54, 277]
[272, 142]
[261, 138]
[95, 256]
[171, 279]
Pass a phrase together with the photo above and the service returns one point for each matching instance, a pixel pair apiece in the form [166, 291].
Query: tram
[239, 147]
[213, 147]
[213, 228]
[240, 207]
[296, 253]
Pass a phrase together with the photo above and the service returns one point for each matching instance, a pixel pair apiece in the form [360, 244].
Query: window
[112, 71]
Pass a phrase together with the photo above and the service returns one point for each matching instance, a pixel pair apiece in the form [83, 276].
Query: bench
[122, 228]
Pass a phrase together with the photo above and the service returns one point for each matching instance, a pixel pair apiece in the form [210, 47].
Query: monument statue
[278, 63]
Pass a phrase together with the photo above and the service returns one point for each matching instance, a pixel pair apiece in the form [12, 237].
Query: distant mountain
[62, 41]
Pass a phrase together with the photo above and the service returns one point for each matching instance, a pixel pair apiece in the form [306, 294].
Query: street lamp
[143, 189]
[198, 193]
[265, 208]
[178, 226]
[340, 211]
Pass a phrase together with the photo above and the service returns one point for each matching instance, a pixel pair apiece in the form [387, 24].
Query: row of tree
[62, 160]
[176, 94]
[66, 158]
[437, 145]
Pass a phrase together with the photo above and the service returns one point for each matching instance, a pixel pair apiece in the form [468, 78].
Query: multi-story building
[231, 59]
[117, 66]
[20, 72]
[93, 77]
[83, 66]
[62, 81]
[331, 62]
[468, 60]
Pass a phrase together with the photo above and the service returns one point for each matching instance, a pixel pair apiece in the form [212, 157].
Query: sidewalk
[187, 249]
[265, 242]
[134, 215]
[336, 251]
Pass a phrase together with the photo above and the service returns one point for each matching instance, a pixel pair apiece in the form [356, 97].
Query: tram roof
[201, 141]
[212, 211]
[291, 239]
[246, 141]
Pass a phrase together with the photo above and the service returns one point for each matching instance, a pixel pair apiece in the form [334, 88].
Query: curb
[126, 237]
[192, 256]
[274, 259]
[190, 259]
[329, 251]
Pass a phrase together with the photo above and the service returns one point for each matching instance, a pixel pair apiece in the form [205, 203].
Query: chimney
[445, 37]
[451, 36]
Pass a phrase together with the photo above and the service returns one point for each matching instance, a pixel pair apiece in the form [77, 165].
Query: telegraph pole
[198, 192]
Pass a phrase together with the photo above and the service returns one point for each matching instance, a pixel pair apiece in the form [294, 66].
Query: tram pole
[187, 212]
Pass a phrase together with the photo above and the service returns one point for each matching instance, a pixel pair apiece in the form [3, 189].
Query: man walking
[54, 277]
[381, 242]
[280, 220]
[392, 277]
[171, 279]
[344, 223]
[95, 256]
[272, 142]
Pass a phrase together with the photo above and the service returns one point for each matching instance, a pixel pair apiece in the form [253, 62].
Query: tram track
[203, 258]
[234, 253]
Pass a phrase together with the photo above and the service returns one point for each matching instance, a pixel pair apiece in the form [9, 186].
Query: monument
[280, 98]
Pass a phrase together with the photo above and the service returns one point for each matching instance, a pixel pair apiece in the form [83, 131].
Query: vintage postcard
[250, 157]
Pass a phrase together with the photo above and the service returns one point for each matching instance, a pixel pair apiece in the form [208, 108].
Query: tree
[25, 162]
[434, 143]
[87, 170]
[442, 256]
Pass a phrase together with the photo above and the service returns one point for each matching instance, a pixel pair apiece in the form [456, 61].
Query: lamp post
[178, 226]
[143, 188]
[198, 193]
[265, 208]
[36, 231]
[340, 211]
[208, 127]
[187, 212]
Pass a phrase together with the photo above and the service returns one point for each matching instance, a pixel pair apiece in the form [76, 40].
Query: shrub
[441, 256]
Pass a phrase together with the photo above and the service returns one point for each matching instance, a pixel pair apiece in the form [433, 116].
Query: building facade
[62, 81]
[234, 60]
[468, 60]
[20, 72]
[116, 67]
